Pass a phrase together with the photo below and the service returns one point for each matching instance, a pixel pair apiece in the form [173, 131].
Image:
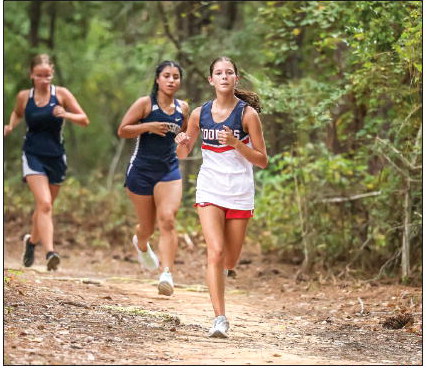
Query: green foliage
[309, 178]
[347, 74]
[340, 83]
[92, 214]
[187, 219]
[9, 276]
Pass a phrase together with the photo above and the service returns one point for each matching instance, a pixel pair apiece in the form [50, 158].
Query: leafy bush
[328, 202]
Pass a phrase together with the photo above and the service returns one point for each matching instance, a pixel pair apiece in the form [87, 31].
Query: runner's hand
[158, 128]
[59, 111]
[226, 137]
[7, 130]
[182, 138]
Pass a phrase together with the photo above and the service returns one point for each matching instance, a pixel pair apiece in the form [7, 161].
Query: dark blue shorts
[53, 167]
[142, 181]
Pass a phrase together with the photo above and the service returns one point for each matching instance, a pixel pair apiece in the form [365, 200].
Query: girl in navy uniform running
[232, 141]
[153, 179]
[44, 107]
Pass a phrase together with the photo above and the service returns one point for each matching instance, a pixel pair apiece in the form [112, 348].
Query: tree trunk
[52, 21]
[228, 14]
[406, 236]
[332, 141]
[407, 212]
[306, 234]
[194, 80]
[34, 13]
[114, 163]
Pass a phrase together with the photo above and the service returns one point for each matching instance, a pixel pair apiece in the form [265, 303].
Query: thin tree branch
[304, 233]
[417, 142]
[176, 41]
[114, 163]
[400, 155]
[362, 247]
[383, 267]
[404, 173]
[350, 198]
[166, 26]
[416, 108]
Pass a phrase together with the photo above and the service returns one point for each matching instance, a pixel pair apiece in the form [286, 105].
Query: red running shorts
[229, 212]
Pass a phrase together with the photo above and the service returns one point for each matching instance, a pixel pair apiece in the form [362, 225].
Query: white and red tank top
[225, 177]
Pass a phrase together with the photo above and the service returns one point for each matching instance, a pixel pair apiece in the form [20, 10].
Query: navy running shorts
[52, 167]
[141, 181]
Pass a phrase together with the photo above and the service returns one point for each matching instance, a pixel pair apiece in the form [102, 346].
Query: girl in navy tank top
[44, 107]
[232, 142]
[153, 180]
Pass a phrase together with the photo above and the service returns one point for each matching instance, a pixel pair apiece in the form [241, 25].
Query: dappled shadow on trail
[99, 308]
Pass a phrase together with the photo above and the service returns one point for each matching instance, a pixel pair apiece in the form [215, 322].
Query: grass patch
[138, 311]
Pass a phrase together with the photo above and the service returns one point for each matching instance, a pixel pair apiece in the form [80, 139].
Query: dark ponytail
[159, 69]
[251, 98]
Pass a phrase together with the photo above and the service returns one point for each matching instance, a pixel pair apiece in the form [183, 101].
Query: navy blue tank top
[152, 151]
[44, 130]
[209, 128]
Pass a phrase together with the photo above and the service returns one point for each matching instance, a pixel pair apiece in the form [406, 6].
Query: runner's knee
[44, 206]
[166, 221]
[216, 255]
[144, 231]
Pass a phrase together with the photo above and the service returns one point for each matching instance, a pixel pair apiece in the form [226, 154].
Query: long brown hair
[251, 98]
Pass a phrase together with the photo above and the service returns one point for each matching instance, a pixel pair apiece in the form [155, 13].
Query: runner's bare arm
[186, 112]
[251, 122]
[185, 140]
[130, 128]
[69, 108]
[17, 112]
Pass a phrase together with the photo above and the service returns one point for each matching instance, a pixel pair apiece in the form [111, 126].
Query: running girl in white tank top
[232, 141]
[225, 177]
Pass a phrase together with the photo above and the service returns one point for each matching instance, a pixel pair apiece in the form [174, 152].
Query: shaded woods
[340, 84]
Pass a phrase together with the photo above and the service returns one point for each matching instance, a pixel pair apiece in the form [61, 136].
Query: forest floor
[100, 308]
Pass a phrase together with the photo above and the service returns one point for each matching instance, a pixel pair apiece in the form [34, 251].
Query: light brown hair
[41, 59]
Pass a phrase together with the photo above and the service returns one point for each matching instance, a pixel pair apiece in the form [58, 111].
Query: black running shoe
[53, 261]
[28, 257]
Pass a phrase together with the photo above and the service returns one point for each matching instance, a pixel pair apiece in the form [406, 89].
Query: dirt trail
[100, 309]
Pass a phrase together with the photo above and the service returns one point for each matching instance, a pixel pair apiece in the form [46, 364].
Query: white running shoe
[220, 327]
[147, 259]
[165, 283]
